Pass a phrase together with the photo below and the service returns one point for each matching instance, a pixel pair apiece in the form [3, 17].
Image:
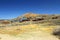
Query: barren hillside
[30, 26]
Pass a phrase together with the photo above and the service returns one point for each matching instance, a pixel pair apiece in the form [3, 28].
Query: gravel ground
[36, 35]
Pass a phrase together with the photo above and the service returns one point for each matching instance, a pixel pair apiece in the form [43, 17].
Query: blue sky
[14, 8]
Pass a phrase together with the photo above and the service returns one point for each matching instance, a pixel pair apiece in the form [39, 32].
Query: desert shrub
[57, 22]
[56, 32]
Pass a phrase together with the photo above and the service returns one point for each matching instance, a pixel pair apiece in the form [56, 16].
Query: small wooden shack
[24, 19]
[38, 19]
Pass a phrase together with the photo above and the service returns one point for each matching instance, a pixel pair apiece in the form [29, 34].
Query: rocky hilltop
[31, 17]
